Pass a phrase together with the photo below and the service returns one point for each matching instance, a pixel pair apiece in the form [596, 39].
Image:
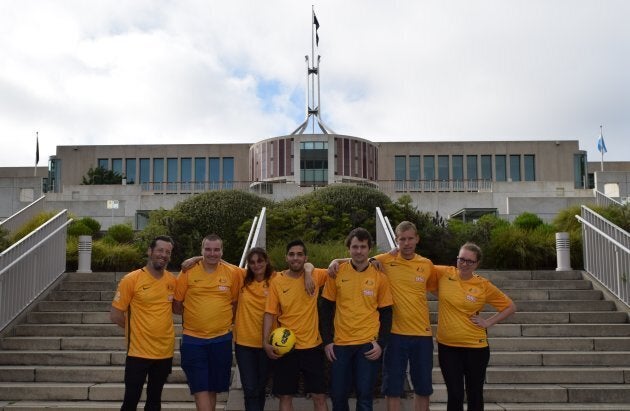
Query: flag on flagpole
[316, 23]
[37, 148]
[601, 145]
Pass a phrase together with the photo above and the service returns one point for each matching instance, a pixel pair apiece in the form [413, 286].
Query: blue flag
[601, 145]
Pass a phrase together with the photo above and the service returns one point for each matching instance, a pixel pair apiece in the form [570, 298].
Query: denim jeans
[253, 365]
[352, 368]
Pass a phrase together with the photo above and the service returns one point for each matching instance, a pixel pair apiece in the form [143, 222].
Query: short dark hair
[361, 234]
[474, 248]
[297, 243]
[212, 237]
[164, 238]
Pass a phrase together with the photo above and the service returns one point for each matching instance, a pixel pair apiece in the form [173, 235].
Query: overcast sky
[170, 72]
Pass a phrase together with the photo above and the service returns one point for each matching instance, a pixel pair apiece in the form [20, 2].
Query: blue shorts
[207, 363]
[418, 350]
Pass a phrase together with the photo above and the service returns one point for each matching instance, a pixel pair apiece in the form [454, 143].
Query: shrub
[94, 225]
[77, 228]
[528, 221]
[5, 242]
[120, 233]
[116, 257]
[32, 225]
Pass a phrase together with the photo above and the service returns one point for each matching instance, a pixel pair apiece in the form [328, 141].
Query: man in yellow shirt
[205, 296]
[360, 301]
[142, 306]
[294, 308]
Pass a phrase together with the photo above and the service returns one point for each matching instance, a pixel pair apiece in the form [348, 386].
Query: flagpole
[36, 153]
[601, 136]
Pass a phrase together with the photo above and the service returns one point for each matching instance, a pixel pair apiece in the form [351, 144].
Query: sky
[82, 72]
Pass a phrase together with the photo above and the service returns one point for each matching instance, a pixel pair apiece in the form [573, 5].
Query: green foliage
[512, 247]
[5, 242]
[218, 212]
[31, 225]
[99, 175]
[618, 215]
[528, 221]
[77, 228]
[120, 233]
[72, 253]
[319, 254]
[107, 256]
[94, 225]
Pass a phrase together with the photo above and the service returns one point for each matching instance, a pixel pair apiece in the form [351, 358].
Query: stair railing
[606, 253]
[385, 237]
[257, 235]
[17, 220]
[30, 266]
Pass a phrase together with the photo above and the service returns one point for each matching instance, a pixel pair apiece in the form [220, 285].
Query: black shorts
[286, 372]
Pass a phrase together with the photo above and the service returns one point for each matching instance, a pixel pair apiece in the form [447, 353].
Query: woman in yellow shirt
[462, 337]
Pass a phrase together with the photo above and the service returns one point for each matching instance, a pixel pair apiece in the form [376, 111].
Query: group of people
[373, 311]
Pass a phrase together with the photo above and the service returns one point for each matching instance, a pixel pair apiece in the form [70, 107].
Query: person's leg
[219, 370]
[247, 359]
[475, 364]
[451, 364]
[204, 400]
[394, 366]
[195, 366]
[263, 375]
[365, 372]
[312, 362]
[158, 374]
[421, 369]
[136, 370]
[286, 372]
[340, 377]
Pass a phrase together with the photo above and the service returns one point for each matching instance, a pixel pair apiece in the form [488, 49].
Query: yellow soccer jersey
[208, 299]
[409, 281]
[295, 309]
[148, 303]
[458, 301]
[358, 296]
[249, 313]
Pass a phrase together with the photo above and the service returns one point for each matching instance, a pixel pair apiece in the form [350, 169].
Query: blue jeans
[351, 362]
[253, 365]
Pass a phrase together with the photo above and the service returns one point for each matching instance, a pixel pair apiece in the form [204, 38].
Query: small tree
[99, 175]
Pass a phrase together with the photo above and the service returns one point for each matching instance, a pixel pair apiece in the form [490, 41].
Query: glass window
[443, 172]
[228, 172]
[158, 173]
[314, 163]
[117, 166]
[215, 172]
[130, 170]
[429, 172]
[579, 170]
[171, 174]
[471, 172]
[530, 167]
[186, 170]
[486, 167]
[515, 167]
[414, 172]
[458, 172]
[145, 173]
[200, 173]
[500, 168]
[103, 163]
[400, 171]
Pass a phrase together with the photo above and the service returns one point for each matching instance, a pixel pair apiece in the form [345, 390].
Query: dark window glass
[530, 167]
[486, 167]
[515, 167]
[130, 170]
[500, 168]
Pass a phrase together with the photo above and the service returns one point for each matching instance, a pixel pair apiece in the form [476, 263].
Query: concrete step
[69, 358]
[544, 284]
[87, 286]
[560, 344]
[86, 391]
[73, 330]
[558, 295]
[91, 277]
[81, 296]
[559, 306]
[75, 306]
[68, 317]
[496, 276]
[93, 405]
[596, 317]
[96, 374]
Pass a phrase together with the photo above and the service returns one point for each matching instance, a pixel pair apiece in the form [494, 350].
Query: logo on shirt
[223, 288]
[369, 283]
[343, 280]
[471, 298]
[222, 280]
[117, 296]
[286, 291]
[393, 264]
[419, 279]
[420, 269]
[170, 298]
[146, 287]
[368, 293]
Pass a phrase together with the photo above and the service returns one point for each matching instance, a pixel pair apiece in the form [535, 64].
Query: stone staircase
[567, 348]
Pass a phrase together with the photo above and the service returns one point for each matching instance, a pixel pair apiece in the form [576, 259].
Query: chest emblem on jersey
[223, 288]
[471, 298]
[369, 283]
[222, 280]
[419, 279]
[170, 298]
[368, 293]
[420, 269]
[170, 287]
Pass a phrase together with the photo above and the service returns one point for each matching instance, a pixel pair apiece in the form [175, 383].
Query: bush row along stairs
[567, 348]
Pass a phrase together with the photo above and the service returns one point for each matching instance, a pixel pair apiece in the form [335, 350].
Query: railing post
[85, 254]
[563, 252]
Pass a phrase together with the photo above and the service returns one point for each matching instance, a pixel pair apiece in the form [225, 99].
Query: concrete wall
[18, 192]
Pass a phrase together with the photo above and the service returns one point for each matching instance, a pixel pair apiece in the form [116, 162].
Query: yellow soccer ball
[282, 339]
